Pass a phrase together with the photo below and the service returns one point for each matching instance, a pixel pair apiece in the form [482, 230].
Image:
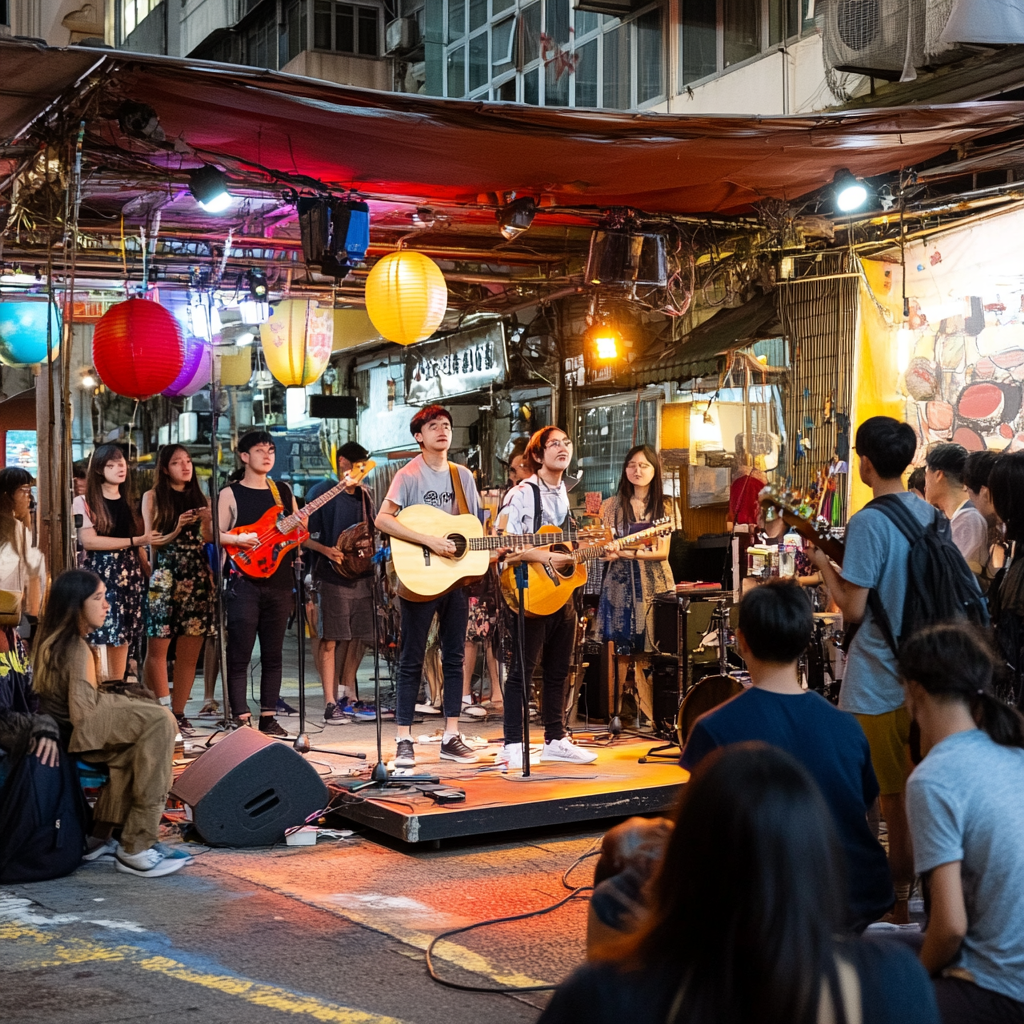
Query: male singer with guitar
[256, 606]
[430, 479]
[541, 500]
[344, 607]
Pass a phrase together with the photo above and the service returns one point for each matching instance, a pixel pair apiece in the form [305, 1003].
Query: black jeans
[553, 635]
[963, 1002]
[253, 610]
[452, 618]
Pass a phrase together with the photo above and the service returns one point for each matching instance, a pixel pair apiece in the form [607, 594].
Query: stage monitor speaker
[332, 407]
[670, 619]
[248, 788]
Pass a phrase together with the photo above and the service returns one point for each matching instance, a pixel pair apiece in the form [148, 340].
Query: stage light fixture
[244, 340]
[606, 343]
[850, 193]
[209, 186]
[516, 218]
[257, 282]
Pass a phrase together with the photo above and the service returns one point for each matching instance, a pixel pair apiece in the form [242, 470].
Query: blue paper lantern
[23, 332]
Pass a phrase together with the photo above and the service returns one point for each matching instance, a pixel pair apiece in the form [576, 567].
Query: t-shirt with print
[417, 484]
[521, 506]
[964, 804]
[876, 556]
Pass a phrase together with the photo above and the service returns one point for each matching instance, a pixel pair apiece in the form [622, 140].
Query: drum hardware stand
[302, 740]
[522, 582]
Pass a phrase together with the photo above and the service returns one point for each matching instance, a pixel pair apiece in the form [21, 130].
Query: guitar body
[424, 575]
[264, 560]
[548, 588]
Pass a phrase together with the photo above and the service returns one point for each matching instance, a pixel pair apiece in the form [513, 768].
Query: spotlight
[257, 282]
[244, 340]
[88, 381]
[850, 193]
[605, 342]
[516, 218]
[209, 186]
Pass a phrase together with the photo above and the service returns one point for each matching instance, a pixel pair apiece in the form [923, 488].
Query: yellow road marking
[51, 949]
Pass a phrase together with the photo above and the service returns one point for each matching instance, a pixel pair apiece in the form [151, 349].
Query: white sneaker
[425, 709]
[565, 750]
[149, 863]
[471, 710]
[102, 851]
[510, 757]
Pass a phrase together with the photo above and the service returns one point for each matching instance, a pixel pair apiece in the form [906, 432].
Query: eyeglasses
[262, 449]
[567, 444]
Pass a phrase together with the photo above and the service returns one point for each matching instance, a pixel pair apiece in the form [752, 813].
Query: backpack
[940, 584]
[43, 818]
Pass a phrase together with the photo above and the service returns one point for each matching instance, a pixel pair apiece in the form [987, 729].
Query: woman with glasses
[113, 538]
[633, 579]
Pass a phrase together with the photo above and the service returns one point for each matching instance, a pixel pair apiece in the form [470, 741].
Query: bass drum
[703, 697]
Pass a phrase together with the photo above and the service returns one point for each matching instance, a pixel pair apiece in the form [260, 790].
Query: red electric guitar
[279, 533]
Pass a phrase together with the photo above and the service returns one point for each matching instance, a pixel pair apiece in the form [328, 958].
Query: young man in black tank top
[256, 607]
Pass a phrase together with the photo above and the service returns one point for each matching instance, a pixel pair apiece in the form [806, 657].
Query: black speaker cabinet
[332, 407]
[671, 618]
[247, 789]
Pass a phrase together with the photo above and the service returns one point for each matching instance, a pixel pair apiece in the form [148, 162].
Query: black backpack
[43, 818]
[940, 584]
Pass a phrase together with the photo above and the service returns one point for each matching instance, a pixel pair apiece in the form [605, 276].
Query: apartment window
[716, 34]
[547, 53]
[292, 40]
[345, 28]
[133, 12]
[5, 13]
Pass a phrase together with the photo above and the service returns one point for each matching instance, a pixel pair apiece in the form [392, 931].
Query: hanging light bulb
[850, 193]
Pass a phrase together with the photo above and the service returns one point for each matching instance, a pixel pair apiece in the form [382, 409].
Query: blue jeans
[452, 617]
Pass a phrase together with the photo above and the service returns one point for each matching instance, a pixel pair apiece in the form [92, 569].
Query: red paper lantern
[137, 348]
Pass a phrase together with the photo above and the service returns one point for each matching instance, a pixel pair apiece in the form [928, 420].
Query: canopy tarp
[421, 148]
[701, 352]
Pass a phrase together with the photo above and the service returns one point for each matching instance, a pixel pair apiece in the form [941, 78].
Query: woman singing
[112, 536]
[637, 574]
[181, 587]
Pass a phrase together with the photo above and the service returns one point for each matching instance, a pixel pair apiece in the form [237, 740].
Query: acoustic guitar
[804, 519]
[549, 587]
[425, 575]
[279, 532]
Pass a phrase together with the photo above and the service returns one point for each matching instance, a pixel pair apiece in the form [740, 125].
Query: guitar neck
[517, 541]
[584, 554]
[289, 524]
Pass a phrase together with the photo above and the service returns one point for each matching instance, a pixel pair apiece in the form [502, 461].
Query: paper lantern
[297, 341]
[23, 332]
[406, 296]
[193, 355]
[235, 366]
[137, 348]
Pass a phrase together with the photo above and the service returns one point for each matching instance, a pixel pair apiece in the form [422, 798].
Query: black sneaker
[269, 726]
[405, 754]
[185, 726]
[456, 749]
[241, 723]
[285, 709]
[333, 715]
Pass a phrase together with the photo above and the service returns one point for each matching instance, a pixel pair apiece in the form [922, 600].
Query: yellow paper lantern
[297, 341]
[406, 296]
[235, 366]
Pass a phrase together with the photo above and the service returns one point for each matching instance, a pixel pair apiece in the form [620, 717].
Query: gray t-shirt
[876, 556]
[969, 529]
[417, 484]
[964, 804]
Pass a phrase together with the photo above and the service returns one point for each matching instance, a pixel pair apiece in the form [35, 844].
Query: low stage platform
[614, 786]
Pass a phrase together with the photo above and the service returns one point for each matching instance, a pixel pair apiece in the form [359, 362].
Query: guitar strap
[460, 494]
[275, 493]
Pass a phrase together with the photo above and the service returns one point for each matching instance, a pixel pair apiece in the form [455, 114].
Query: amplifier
[686, 620]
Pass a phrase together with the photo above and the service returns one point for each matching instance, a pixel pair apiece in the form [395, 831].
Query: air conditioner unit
[401, 35]
[627, 258]
[880, 38]
[613, 8]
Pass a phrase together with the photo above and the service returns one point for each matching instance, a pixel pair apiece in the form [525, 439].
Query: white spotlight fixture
[209, 186]
[244, 340]
[850, 193]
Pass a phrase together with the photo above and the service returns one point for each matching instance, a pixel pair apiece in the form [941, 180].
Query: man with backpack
[900, 572]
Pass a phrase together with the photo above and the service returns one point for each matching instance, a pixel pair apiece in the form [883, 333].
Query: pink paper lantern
[137, 348]
[196, 349]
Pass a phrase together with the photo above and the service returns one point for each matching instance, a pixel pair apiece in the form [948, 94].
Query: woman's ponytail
[1003, 723]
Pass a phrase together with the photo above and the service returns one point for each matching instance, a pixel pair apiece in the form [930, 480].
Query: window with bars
[605, 432]
[545, 52]
[346, 28]
[716, 34]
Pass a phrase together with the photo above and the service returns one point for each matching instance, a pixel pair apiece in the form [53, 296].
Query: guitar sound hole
[460, 544]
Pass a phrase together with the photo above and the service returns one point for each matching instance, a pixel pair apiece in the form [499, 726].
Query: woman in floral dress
[181, 594]
[113, 539]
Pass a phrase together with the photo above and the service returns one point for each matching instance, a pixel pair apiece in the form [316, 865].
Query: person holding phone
[181, 595]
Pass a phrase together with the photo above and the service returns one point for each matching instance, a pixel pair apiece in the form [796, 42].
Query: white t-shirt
[417, 484]
[970, 534]
[521, 505]
[15, 574]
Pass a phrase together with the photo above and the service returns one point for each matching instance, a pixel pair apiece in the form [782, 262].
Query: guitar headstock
[802, 517]
[358, 472]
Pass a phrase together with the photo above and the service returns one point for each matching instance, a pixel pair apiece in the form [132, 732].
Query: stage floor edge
[614, 786]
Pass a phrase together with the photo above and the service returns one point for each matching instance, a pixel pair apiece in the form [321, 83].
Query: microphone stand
[302, 740]
[380, 771]
[218, 550]
[522, 583]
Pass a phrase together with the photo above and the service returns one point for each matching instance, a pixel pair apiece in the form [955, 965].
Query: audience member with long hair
[748, 903]
[967, 824]
[133, 737]
[635, 575]
[181, 595]
[22, 566]
[1006, 594]
[112, 537]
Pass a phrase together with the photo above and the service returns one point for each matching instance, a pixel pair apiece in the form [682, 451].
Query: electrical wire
[574, 893]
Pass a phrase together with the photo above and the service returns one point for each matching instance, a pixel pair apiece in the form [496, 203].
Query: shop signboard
[457, 365]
